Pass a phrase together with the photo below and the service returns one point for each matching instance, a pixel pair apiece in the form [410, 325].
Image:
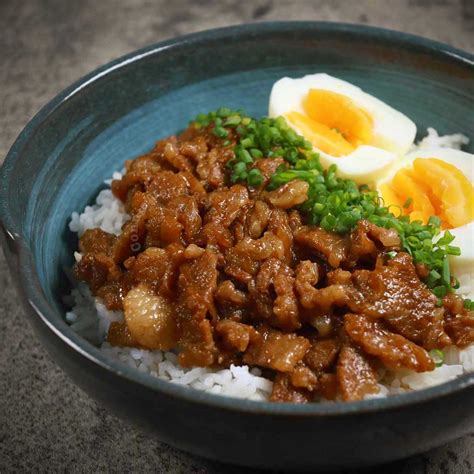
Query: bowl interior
[119, 112]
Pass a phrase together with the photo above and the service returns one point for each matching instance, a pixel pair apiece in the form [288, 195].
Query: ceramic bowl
[117, 112]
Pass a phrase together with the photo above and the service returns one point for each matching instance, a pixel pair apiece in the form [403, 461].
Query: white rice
[90, 318]
[107, 213]
[456, 140]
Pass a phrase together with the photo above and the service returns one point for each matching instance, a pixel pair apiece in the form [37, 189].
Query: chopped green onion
[414, 241]
[446, 239]
[333, 203]
[255, 177]
[256, 153]
[446, 272]
[439, 291]
[232, 121]
[437, 356]
[328, 222]
[434, 274]
[247, 142]
[434, 221]
[453, 250]
[220, 132]
[240, 167]
[469, 304]
[223, 112]
[243, 155]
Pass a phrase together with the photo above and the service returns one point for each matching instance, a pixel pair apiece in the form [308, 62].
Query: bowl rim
[28, 278]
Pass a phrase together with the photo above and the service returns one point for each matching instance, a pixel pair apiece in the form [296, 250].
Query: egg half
[437, 182]
[362, 135]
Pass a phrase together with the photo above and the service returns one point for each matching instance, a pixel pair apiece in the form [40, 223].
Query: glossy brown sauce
[225, 274]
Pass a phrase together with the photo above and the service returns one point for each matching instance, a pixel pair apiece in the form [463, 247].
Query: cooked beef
[394, 292]
[285, 391]
[322, 354]
[459, 323]
[325, 299]
[304, 377]
[289, 195]
[228, 294]
[167, 185]
[276, 350]
[328, 386]
[276, 278]
[332, 247]
[395, 351]
[257, 220]
[96, 241]
[268, 166]
[356, 376]
[367, 240]
[94, 269]
[236, 336]
[222, 273]
[150, 318]
[119, 335]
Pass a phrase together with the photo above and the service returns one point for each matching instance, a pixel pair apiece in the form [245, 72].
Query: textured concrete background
[46, 423]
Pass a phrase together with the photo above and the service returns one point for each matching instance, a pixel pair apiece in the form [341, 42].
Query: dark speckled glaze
[75, 142]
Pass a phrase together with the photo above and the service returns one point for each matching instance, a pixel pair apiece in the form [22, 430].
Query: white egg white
[394, 131]
[462, 267]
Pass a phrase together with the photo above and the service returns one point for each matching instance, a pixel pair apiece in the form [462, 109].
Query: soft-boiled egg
[362, 135]
[437, 182]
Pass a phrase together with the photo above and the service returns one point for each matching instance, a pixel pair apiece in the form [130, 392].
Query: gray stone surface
[46, 423]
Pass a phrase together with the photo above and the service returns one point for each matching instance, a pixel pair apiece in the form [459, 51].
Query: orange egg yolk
[332, 122]
[431, 187]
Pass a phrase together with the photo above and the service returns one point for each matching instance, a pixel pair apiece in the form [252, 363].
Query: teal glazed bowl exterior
[60, 159]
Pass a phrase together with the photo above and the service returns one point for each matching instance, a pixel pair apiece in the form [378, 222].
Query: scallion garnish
[469, 304]
[334, 203]
[437, 356]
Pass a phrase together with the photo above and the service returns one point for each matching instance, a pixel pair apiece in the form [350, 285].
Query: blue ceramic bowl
[117, 112]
